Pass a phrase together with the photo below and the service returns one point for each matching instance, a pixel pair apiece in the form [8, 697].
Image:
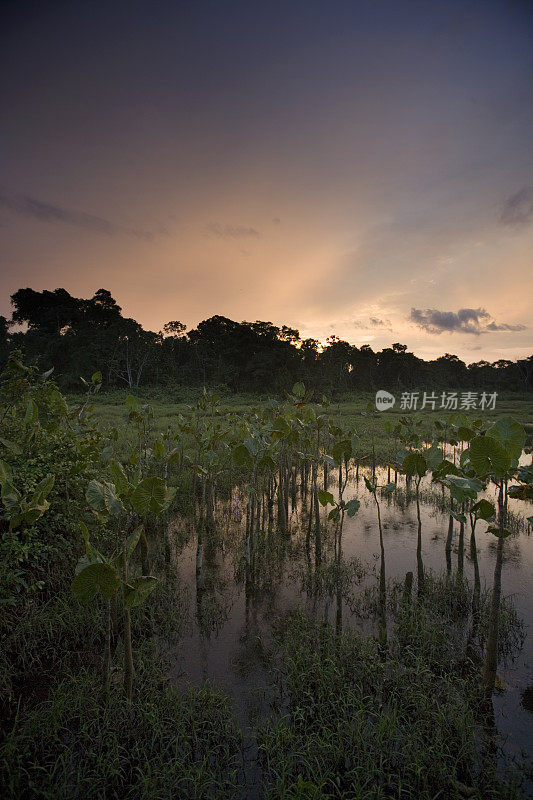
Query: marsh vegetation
[273, 600]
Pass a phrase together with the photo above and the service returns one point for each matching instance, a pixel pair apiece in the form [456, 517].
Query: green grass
[355, 726]
[346, 724]
[347, 412]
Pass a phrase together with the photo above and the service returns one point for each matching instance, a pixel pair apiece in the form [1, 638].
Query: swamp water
[229, 610]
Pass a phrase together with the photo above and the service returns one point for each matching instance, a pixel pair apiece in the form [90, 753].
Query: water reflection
[256, 562]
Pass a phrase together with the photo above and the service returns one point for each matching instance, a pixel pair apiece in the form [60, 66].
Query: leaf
[138, 590]
[530, 520]
[280, 426]
[522, 491]
[462, 488]
[159, 449]
[91, 553]
[388, 489]
[112, 502]
[445, 468]
[119, 476]
[11, 496]
[496, 532]
[58, 403]
[342, 451]
[298, 389]
[32, 412]
[334, 514]
[488, 456]
[510, 434]
[133, 540]
[174, 456]
[42, 490]
[96, 377]
[149, 495]
[433, 455]
[5, 471]
[95, 496]
[106, 453]
[170, 494]
[131, 403]
[483, 510]
[13, 446]
[459, 517]
[96, 577]
[325, 498]
[352, 507]
[465, 434]
[370, 486]
[414, 464]
[241, 456]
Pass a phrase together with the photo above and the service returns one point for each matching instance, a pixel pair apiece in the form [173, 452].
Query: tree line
[77, 336]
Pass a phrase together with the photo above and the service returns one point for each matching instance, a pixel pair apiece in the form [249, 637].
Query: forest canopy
[77, 336]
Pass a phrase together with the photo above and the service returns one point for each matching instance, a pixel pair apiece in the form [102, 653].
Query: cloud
[494, 326]
[31, 208]
[373, 322]
[466, 320]
[218, 231]
[517, 211]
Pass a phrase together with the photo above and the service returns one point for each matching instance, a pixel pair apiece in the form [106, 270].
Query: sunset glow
[329, 168]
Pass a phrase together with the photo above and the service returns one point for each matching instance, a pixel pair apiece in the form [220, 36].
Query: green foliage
[488, 456]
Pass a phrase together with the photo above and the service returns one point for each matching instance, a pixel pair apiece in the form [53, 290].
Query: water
[228, 629]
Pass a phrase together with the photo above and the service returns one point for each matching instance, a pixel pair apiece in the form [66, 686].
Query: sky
[363, 169]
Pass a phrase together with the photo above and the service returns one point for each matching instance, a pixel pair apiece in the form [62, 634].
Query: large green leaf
[11, 496]
[462, 488]
[342, 451]
[483, 510]
[5, 471]
[521, 491]
[487, 456]
[325, 498]
[496, 532]
[133, 539]
[12, 446]
[112, 502]
[149, 495]
[58, 403]
[414, 464]
[95, 496]
[136, 591]
[32, 412]
[298, 389]
[170, 494]
[95, 578]
[120, 479]
[42, 490]
[370, 486]
[241, 456]
[509, 433]
[433, 455]
[352, 507]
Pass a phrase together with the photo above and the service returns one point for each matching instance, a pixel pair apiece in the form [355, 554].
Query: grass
[356, 726]
[346, 724]
[347, 412]
[166, 745]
